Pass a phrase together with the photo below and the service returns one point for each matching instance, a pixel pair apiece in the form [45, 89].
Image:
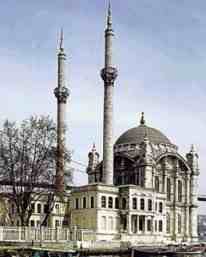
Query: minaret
[192, 160]
[61, 93]
[108, 74]
[92, 164]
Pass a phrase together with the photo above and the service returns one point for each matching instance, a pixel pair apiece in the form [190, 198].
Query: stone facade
[156, 190]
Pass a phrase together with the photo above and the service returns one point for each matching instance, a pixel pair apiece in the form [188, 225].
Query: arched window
[155, 225]
[116, 203]
[149, 225]
[142, 204]
[38, 208]
[157, 184]
[160, 225]
[179, 191]
[104, 202]
[168, 189]
[124, 203]
[149, 205]
[168, 223]
[92, 202]
[134, 203]
[141, 223]
[110, 205]
[160, 207]
[179, 223]
[84, 202]
[77, 203]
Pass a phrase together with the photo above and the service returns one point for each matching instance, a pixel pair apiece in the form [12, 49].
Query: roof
[136, 136]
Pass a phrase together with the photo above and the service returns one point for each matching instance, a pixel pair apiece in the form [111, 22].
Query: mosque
[143, 190]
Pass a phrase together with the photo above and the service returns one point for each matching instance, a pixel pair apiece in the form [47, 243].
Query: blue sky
[159, 50]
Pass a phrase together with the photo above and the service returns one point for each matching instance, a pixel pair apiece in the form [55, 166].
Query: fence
[80, 238]
[30, 234]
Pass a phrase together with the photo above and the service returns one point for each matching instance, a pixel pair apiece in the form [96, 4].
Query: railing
[100, 244]
[31, 234]
[45, 234]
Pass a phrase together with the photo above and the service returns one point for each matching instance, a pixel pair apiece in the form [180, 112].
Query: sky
[159, 51]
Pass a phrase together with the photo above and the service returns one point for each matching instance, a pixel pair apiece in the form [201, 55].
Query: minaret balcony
[61, 94]
[109, 74]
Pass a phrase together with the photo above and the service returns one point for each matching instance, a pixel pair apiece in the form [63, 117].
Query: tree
[28, 164]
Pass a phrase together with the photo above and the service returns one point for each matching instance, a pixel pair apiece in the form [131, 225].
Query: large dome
[136, 135]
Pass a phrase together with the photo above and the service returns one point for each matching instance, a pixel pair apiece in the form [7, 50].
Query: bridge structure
[201, 198]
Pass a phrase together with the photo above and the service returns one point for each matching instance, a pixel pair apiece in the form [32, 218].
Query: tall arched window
[134, 203]
[157, 184]
[124, 203]
[116, 203]
[168, 189]
[179, 223]
[168, 223]
[110, 204]
[179, 191]
[77, 203]
[160, 207]
[149, 205]
[142, 204]
[103, 201]
[84, 202]
[160, 226]
[92, 202]
[38, 208]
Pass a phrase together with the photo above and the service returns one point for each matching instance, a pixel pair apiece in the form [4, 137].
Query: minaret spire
[108, 74]
[109, 16]
[61, 46]
[61, 93]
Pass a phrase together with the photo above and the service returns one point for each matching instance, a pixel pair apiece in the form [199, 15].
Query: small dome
[136, 135]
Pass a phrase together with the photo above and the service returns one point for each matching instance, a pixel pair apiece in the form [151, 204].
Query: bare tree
[28, 163]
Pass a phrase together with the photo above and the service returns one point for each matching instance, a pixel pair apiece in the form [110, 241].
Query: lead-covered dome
[136, 135]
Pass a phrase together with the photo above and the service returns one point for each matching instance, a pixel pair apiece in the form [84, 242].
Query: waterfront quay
[47, 242]
[98, 248]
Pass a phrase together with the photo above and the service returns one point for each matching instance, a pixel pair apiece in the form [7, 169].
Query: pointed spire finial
[61, 47]
[142, 121]
[192, 150]
[109, 16]
[93, 147]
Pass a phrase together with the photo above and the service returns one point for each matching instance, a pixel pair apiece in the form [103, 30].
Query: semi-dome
[136, 135]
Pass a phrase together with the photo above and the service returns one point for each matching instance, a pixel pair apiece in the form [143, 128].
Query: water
[176, 255]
